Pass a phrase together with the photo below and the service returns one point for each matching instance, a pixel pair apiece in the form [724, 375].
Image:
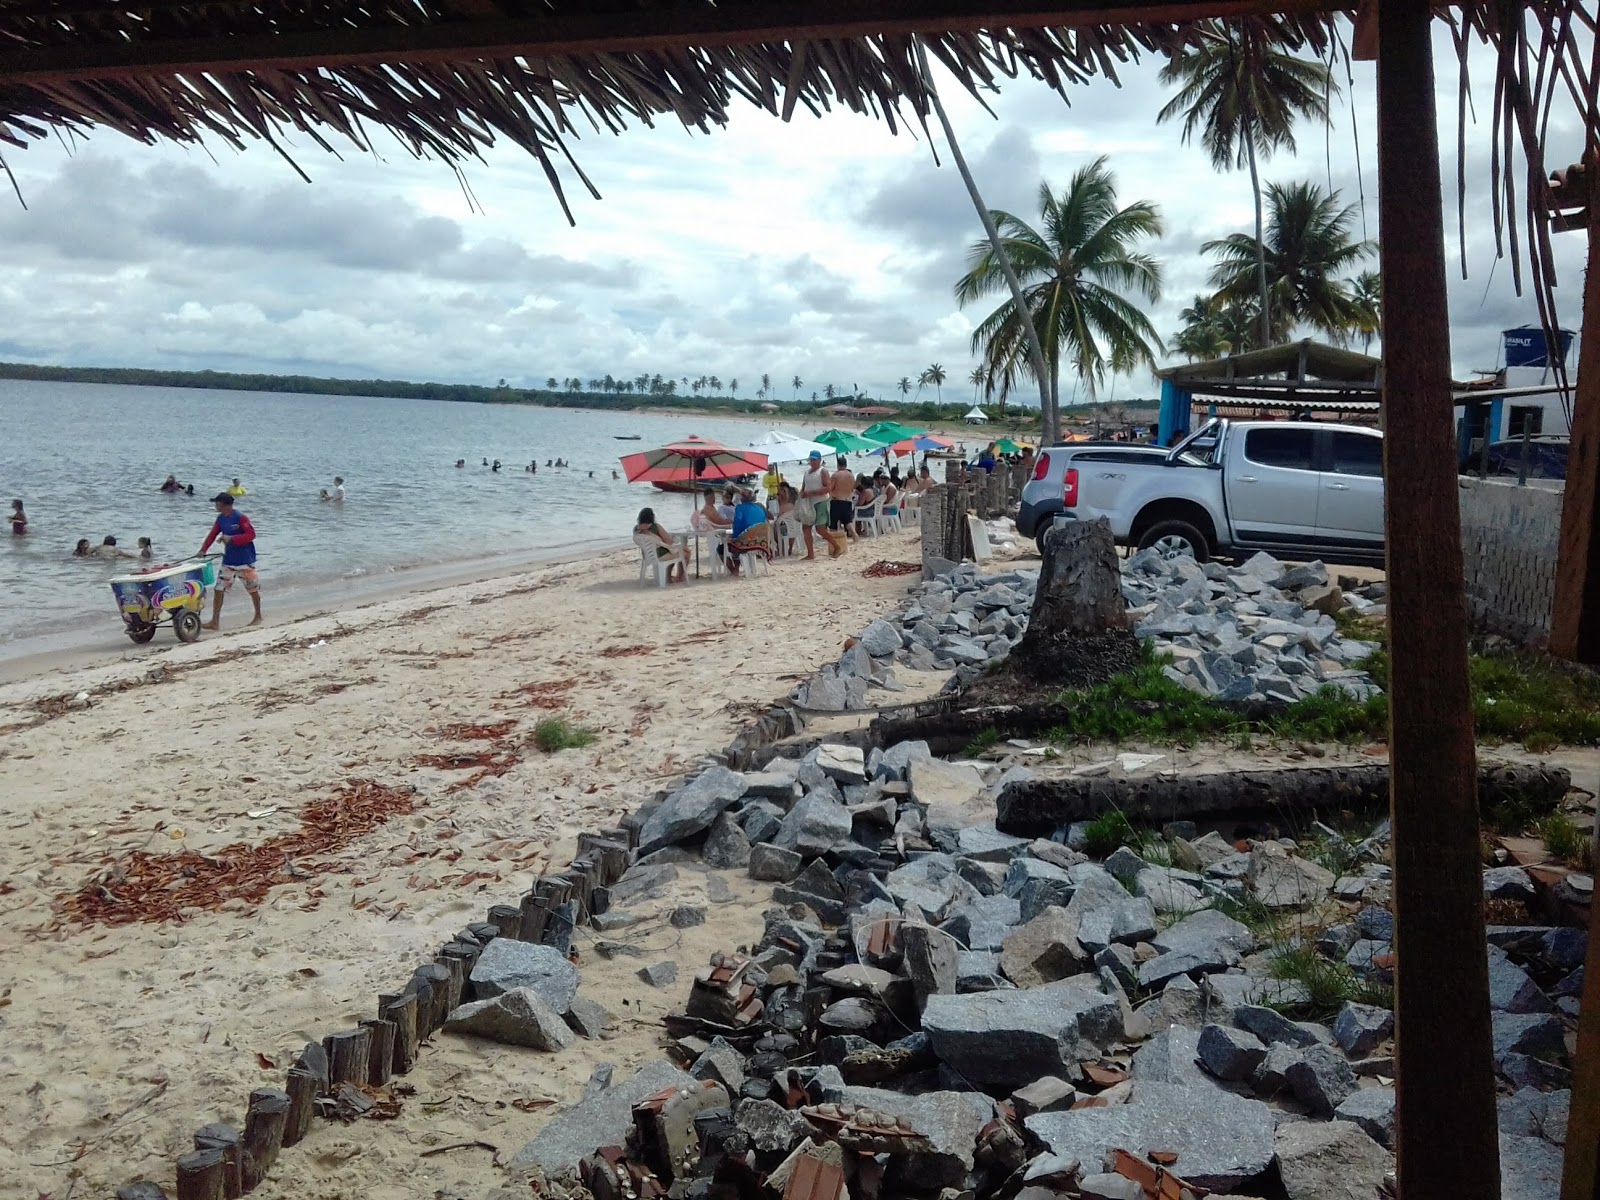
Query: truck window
[1356, 454]
[1289, 448]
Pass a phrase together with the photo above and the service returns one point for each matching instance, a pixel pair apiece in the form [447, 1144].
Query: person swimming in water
[236, 489]
[461, 462]
[82, 549]
[147, 549]
[108, 549]
[170, 485]
[19, 519]
[496, 466]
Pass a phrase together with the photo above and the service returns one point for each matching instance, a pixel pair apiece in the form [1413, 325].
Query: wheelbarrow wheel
[186, 625]
[141, 632]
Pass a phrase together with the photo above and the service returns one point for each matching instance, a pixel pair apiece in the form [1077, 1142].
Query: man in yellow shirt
[237, 489]
[772, 481]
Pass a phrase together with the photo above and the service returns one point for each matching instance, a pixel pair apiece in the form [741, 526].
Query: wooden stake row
[227, 1163]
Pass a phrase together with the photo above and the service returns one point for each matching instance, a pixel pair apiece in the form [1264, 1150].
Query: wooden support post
[455, 983]
[348, 1053]
[202, 1175]
[1580, 1178]
[263, 1133]
[1446, 1137]
[402, 1010]
[533, 915]
[1575, 618]
[420, 986]
[380, 1055]
[224, 1137]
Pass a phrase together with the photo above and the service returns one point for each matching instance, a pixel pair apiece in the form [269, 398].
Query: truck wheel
[1038, 538]
[1173, 539]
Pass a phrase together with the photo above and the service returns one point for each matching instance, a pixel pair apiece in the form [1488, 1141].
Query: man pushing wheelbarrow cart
[176, 591]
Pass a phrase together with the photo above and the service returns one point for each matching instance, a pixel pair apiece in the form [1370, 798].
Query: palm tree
[1203, 334]
[904, 385]
[766, 385]
[733, 387]
[1308, 249]
[977, 377]
[1366, 293]
[795, 383]
[935, 375]
[827, 391]
[551, 383]
[1074, 270]
[1242, 90]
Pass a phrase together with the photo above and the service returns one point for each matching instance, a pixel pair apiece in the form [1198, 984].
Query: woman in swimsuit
[669, 548]
[19, 519]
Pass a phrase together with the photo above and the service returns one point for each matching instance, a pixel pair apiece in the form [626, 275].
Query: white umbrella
[779, 446]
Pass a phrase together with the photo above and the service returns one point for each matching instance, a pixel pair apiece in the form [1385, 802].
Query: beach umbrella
[885, 433]
[920, 444]
[843, 441]
[781, 447]
[1007, 446]
[691, 460]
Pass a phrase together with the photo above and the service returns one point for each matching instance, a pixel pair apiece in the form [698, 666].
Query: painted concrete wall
[1509, 536]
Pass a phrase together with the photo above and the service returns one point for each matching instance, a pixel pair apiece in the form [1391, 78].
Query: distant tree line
[642, 392]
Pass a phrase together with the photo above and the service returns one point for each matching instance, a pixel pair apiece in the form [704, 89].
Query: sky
[824, 247]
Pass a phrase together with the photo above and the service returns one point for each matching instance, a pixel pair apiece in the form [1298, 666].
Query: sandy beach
[119, 1039]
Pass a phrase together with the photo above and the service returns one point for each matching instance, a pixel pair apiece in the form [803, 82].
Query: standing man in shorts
[842, 504]
[238, 538]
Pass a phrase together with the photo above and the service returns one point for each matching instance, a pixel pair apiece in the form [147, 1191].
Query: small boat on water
[625, 437]
[702, 485]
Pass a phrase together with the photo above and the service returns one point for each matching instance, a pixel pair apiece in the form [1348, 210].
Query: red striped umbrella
[690, 460]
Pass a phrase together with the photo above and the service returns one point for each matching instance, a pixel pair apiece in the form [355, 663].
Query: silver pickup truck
[1299, 489]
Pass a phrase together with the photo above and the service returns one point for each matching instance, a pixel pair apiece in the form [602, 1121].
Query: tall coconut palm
[904, 385]
[1075, 270]
[795, 383]
[1366, 293]
[977, 377]
[766, 385]
[828, 391]
[936, 376]
[1241, 90]
[1308, 249]
[1204, 334]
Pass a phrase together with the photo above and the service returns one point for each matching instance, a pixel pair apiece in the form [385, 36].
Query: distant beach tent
[842, 441]
[976, 416]
[691, 459]
[780, 447]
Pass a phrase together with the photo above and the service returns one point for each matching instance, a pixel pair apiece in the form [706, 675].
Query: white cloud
[825, 247]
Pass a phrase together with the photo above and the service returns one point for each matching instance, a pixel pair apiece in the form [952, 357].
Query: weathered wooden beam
[642, 30]
[1446, 1136]
[1575, 618]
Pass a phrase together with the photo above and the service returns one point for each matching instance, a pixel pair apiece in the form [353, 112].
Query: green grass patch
[1516, 697]
[557, 733]
[1330, 984]
[1107, 832]
[1563, 839]
[986, 740]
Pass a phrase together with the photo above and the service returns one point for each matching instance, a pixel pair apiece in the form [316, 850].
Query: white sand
[202, 736]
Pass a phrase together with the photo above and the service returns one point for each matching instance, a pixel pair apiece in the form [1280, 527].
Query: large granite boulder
[506, 963]
[602, 1119]
[692, 808]
[1330, 1161]
[1010, 1038]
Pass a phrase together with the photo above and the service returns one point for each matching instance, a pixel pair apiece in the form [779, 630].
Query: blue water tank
[1528, 346]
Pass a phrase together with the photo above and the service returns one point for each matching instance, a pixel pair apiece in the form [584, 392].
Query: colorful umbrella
[885, 433]
[843, 441]
[920, 444]
[690, 460]
[779, 446]
[1007, 446]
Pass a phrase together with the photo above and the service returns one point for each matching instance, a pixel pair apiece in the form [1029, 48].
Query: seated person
[669, 548]
[709, 518]
[751, 534]
[865, 499]
[730, 501]
[890, 493]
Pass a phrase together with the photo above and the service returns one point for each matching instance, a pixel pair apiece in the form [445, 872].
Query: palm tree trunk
[1265, 323]
[1052, 419]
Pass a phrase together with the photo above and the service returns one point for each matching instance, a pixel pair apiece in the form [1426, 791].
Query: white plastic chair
[713, 536]
[648, 544]
[789, 536]
[889, 522]
[911, 507]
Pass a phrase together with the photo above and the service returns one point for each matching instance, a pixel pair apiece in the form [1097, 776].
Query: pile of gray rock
[526, 995]
[1261, 631]
[920, 965]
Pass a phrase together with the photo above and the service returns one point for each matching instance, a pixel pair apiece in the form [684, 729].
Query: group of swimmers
[533, 467]
[108, 548]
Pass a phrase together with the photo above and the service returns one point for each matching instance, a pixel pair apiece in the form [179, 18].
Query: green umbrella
[1007, 446]
[844, 441]
[886, 433]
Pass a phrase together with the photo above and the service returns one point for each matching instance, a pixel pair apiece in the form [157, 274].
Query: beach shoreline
[216, 748]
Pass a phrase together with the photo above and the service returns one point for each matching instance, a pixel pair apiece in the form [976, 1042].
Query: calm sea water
[87, 460]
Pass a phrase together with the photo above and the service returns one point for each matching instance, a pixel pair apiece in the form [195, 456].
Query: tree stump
[402, 1010]
[348, 1054]
[507, 920]
[380, 1057]
[1078, 631]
